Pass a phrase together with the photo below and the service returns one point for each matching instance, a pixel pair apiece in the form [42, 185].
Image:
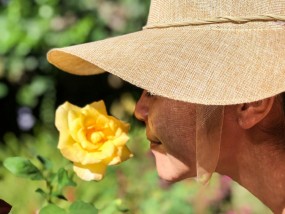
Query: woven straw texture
[212, 64]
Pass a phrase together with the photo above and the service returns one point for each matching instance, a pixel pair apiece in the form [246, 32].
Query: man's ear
[250, 114]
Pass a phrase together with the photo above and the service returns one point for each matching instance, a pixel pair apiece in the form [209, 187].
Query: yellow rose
[91, 139]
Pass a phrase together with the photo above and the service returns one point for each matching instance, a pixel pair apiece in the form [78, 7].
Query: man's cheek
[182, 148]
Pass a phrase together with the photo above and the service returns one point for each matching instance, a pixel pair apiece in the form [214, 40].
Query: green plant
[132, 187]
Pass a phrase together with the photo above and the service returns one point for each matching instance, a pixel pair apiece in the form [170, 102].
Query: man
[212, 71]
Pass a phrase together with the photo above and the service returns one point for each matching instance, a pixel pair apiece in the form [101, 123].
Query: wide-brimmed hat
[214, 52]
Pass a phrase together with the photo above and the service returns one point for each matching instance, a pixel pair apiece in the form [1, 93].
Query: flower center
[94, 135]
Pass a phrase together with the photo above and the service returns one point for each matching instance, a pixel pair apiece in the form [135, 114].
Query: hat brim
[212, 67]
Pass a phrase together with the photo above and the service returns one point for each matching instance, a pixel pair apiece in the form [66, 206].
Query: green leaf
[23, 167]
[26, 97]
[41, 192]
[52, 209]
[80, 207]
[62, 197]
[45, 162]
[121, 206]
[63, 179]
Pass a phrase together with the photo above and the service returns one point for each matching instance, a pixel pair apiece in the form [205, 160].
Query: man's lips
[152, 138]
[156, 146]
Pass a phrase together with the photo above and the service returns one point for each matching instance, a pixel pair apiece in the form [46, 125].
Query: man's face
[170, 128]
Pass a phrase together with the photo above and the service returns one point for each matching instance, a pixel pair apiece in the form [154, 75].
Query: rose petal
[76, 153]
[123, 153]
[72, 151]
[99, 106]
[75, 125]
[62, 111]
[108, 149]
[120, 140]
[96, 137]
[65, 140]
[84, 142]
[90, 172]
[60, 117]
[102, 121]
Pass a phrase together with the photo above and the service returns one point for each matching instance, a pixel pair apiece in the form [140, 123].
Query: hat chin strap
[209, 124]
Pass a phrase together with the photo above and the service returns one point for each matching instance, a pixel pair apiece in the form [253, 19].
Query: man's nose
[141, 110]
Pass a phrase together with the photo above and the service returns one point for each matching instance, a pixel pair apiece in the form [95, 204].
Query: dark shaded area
[81, 90]
[8, 111]
[78, 90]
[31, 88]
[4, 207]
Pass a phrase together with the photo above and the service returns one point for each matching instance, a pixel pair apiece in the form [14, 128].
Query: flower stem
[50, 189]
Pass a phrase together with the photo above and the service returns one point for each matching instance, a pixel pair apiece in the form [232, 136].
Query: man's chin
[170, 180]
[172, 170]
[172, 177]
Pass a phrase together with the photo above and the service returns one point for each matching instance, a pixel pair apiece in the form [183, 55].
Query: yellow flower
[91, 139]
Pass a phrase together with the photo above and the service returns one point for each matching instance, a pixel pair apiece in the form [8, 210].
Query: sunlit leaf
[41, 192]
[64, 179]
[45, 162]
[52, 209]
[23, 167]
[80, 207]
[62, 197]
[121, 206]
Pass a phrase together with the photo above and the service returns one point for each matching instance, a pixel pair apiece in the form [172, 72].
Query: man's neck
[261, 170]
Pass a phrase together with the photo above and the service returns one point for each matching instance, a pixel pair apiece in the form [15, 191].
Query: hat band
[220, 19]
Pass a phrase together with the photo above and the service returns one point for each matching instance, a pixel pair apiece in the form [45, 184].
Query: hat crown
[175, 11]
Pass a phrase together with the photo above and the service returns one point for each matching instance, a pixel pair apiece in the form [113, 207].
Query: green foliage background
[31, 89]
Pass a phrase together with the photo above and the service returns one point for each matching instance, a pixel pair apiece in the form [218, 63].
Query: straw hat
[214, 52]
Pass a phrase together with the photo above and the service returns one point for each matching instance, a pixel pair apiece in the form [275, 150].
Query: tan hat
[214, 52]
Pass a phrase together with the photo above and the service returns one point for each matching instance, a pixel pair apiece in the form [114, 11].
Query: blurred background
[31, 89]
